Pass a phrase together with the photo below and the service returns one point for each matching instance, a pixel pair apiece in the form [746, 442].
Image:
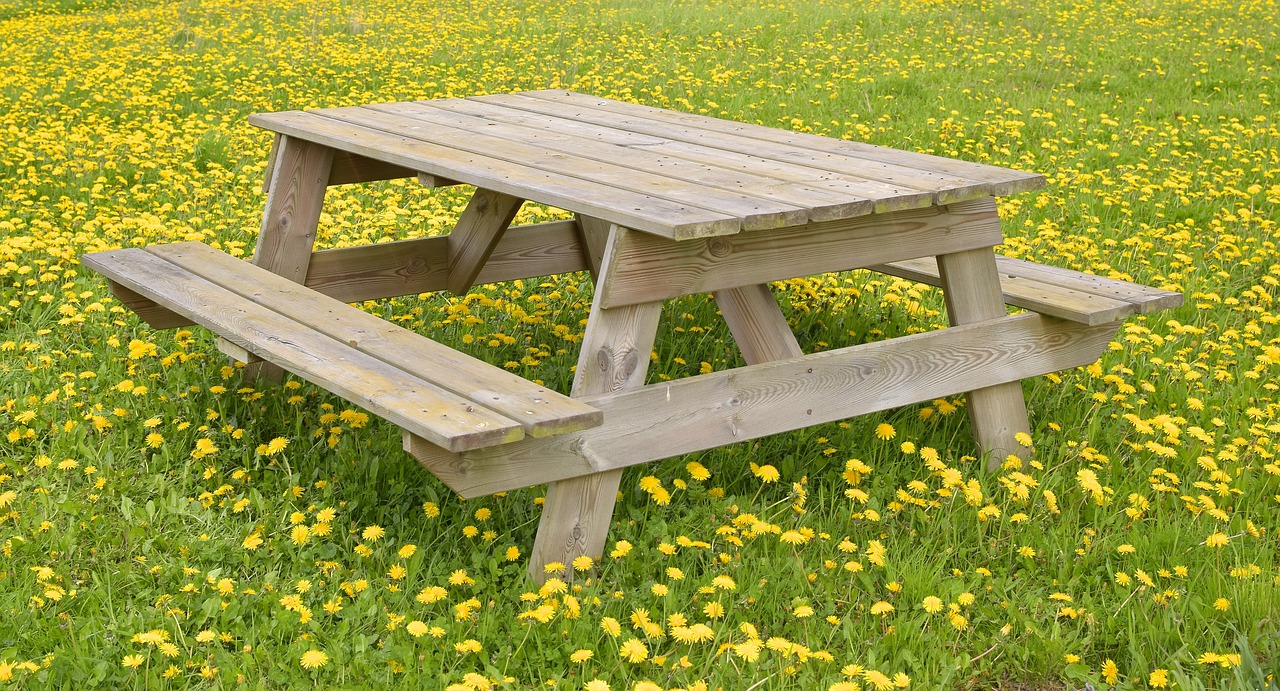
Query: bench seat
[429, 390]
[1054, 291]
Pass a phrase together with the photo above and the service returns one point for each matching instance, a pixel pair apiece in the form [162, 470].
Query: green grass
[124, 124]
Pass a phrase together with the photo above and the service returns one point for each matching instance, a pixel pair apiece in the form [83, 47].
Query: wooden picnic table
[665, 204]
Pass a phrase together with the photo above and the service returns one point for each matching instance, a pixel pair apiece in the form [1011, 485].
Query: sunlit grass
[161, 526]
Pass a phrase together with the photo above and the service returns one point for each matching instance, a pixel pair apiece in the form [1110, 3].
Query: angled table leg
[615, 356]
[971, 287]
[299, 177]
[481, 226]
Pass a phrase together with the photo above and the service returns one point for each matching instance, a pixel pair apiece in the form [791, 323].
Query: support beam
[702, 412]
[593, 234]
[757, 324]
[478, 231]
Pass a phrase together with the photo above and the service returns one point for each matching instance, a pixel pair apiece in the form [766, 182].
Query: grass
[161, 526]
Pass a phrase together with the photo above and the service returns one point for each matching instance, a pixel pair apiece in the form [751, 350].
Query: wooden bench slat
[944, 188]
[439, 416]
[642, 212]
[540, 411]
[756, 213]
[1002, 181]
[1056, 292]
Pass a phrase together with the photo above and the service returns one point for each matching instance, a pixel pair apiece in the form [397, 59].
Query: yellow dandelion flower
[581, 655]
[416, 628]
[314, 659]
[299, 534]
[885, 432]
[611, 626]
[1222, 604]
[407, 551]
[877, 680]
[1217, 540]
[932, 604]
[633, 650]
[132, 661]
[1159, 679]
[881, 608]
[373, 533]
[1110, 672]
[766, 473]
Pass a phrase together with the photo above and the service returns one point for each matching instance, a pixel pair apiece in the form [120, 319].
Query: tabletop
[672, 174]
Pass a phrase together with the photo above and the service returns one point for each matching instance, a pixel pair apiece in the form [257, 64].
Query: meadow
[162, 525]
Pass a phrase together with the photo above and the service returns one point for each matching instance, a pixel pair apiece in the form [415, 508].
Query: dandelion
[885, 431]
[1216, 540]
[581, 655]
[1110, 672]
[766, 473]
[407, 551]
[1222, 604]
[416, 628]
[314, 659]
[881, 608]
[633, 650]
[372, 533]
[932, 604]
[1159, 679]
[132, 661]
[878, 680]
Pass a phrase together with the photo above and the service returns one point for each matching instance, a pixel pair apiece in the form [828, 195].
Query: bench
[429, 390]
[1053, 291]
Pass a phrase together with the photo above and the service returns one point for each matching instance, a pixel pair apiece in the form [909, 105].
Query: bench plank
[413, 404]
[1054, 291]
[540, 411]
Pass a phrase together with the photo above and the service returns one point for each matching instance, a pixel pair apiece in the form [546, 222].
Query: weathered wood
[754, 213]
[1144, 299]
[689, 415]
[997, 414]
[421, 265]
[877, 196]
[351, 168]
[643, 212]
[299, 177]
[944, 187]
[593, 235]
[476, 235]
[539, 410]
[235, 352]
[151, 313]
[614, 357]
[820, 204]
[1027, 293]
[413, 404]
[649, 268]
[757, 324]
[271, 163]
[1002, 180]
[429, 180]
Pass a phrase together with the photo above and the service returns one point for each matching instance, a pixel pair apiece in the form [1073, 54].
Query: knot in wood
[719, 248]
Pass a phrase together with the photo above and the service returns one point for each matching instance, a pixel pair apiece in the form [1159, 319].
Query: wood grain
[415, 405]
[539, 410]
[997, 413]
[648, 268]
[476, 235]
[349, 168]
[757, 324]
[706, 411]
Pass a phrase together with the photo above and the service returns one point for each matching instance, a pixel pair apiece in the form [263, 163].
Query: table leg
[971, 286]
[615, 356]
[299, 177]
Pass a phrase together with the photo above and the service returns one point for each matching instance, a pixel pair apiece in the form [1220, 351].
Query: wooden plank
[292, 213]
[351, 168]
[877, 196]
[1027, 293]
[1145, 299]
[944, 187]
[299, 177]
[614, 357]
[154, 315]
[642, 212]
[436, 415]
[997, 414]
[754, 213]
[593, 235]
[541, 411]
[689, 415]
[757, 324]
[271, 163]
[476, 235]
[429, 180]
[235, 352]
[421, 265]
[1002, 180]
[821, 204]
[649, 268]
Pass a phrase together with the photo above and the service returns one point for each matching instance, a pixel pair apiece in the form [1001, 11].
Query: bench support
[614, 357]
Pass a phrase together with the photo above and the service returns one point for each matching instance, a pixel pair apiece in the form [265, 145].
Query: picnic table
[665, 204]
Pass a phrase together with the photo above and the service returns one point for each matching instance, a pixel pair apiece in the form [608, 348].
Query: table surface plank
[659, 171]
